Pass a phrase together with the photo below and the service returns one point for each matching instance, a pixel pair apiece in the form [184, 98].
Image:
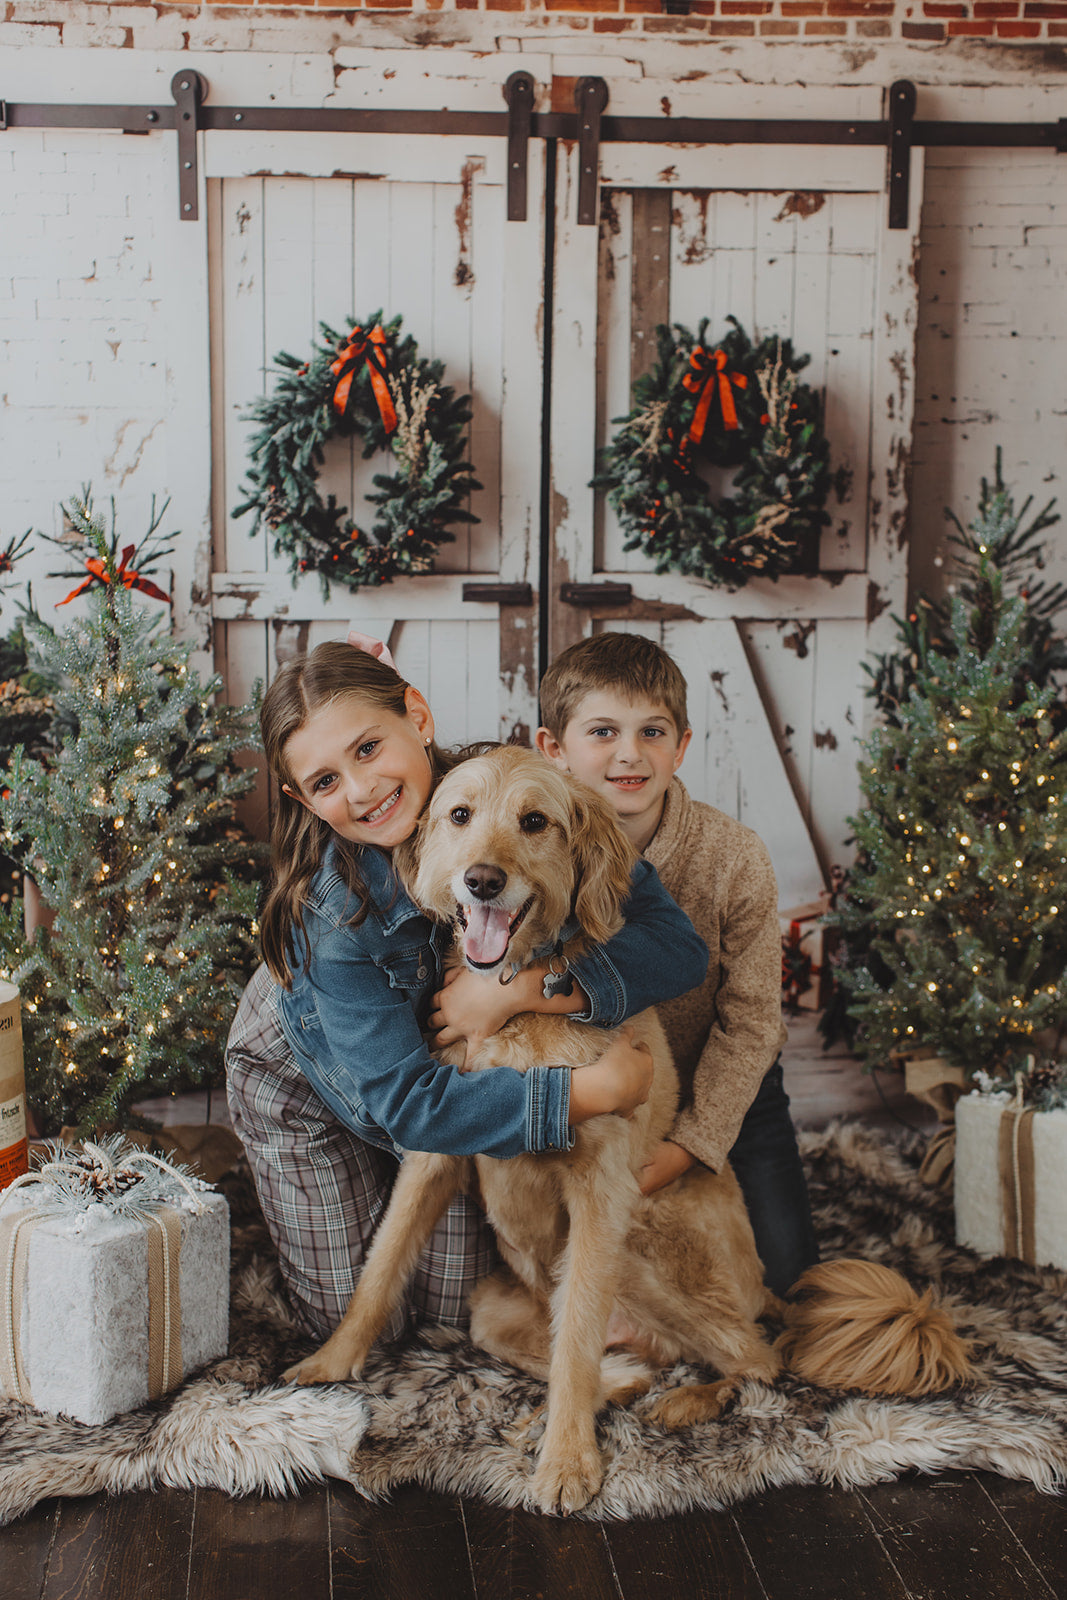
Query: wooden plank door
[308, 228]
[791, 241]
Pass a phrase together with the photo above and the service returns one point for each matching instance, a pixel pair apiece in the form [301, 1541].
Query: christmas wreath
[736, 405]
[371, 383]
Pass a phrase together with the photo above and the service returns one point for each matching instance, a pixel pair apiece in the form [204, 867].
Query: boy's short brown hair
[624, 663]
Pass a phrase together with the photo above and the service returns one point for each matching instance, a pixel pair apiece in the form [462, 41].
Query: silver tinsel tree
[130, 835]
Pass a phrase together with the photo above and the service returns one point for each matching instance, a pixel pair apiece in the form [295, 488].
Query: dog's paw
[562, 1486]
[322, 1367]
[694, 1402]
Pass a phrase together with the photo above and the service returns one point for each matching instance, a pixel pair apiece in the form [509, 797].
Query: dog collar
[558, 978]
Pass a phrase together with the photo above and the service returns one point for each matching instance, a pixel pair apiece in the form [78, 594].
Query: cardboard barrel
[14, 1146]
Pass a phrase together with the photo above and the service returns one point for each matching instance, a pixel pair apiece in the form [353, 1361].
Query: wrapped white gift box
[1011, 1179]
[101, 1312]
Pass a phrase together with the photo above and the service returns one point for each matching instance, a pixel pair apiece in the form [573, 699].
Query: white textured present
[83, 1331]
[1011, 1180]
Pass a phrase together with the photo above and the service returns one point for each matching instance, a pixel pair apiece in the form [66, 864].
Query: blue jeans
[767, 1163]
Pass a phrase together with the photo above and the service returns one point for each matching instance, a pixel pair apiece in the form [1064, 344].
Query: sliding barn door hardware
[188, 89]
[519, 94]
[588, 126]
[901, 123]
[591, 96]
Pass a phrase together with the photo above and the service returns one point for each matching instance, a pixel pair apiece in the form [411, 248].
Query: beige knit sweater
[726, 1033]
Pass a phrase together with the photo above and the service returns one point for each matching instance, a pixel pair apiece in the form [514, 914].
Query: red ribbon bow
[368, 347]
[129, 579]
[708, 375]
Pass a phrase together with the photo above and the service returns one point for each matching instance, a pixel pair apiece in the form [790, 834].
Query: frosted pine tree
[960, 899]
[130, 836]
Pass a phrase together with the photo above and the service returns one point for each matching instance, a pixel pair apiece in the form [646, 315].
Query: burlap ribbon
[939, 1085]
[1017, 1187]
[164, 1229]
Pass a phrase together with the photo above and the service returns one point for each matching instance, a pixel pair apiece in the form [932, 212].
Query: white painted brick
[163, 32]
[36, 203]
[17, 34]
[93, 33]
[27, 289]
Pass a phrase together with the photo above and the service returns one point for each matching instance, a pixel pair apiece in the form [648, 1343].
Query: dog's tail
[857, 1325]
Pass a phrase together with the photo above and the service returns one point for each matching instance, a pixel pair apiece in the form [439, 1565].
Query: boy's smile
[627, 750]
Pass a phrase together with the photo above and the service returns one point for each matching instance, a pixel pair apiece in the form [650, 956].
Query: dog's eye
[533, 822]
[460, 816]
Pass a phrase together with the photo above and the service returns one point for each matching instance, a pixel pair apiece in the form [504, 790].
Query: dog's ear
[604, 859]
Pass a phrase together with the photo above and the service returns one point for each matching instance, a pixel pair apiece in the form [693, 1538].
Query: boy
[614, 714]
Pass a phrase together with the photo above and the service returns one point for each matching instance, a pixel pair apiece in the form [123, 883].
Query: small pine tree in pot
[955, 920]
[129, 834]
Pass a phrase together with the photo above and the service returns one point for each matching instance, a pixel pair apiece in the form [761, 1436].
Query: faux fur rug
[441, 1414]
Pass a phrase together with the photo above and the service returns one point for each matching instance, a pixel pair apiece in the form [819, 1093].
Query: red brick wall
[925, 21]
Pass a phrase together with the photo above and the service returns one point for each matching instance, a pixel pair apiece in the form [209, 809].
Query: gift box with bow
[1011, 1179]
[115, 1280]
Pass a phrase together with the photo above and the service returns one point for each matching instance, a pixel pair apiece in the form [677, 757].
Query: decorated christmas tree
[955, 920]
[27, 713]
[129, 833]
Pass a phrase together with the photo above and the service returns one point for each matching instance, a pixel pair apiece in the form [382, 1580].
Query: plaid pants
[324, 1190]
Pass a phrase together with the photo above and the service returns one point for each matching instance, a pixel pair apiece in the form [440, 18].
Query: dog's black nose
[485, 882]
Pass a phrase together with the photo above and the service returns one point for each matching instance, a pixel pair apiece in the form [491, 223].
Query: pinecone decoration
[1045, 1086]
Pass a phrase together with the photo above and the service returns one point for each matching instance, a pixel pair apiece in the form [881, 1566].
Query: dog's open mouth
[487, 932]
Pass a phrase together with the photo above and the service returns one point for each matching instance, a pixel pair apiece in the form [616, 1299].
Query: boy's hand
[668, 1162]
[616, 1084]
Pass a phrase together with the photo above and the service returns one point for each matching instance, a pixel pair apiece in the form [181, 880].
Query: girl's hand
[668, 1162]
[616, 1084]
[472, 1007]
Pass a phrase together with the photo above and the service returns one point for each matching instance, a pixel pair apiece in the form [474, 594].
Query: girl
[329, 1079]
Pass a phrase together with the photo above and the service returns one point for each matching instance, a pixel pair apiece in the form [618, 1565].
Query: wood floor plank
[24, 1555]
[815, 1544]
[253, 1547]
[948, 1541]
[520, 1555]
[413, 1545]
[129, 1544]
[1038, 1521]
[699, 1554]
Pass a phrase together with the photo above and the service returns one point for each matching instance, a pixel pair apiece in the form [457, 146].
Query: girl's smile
[365, 771]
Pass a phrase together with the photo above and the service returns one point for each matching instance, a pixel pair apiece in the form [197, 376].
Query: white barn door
[307, 228]
[791, 241]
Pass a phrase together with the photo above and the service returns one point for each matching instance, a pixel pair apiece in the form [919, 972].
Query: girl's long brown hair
[298, 838]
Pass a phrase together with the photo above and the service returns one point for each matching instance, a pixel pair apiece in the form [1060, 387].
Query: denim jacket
[354, 1017]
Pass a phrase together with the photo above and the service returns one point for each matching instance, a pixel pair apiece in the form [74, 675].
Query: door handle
[596, 594]
[500, 594]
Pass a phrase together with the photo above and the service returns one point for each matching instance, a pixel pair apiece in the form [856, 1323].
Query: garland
[372, 384]
[738, 405]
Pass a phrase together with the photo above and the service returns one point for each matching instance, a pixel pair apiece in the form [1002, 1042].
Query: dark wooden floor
[962, 1536]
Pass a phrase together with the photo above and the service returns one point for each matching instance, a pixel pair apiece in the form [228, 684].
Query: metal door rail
[588, 126]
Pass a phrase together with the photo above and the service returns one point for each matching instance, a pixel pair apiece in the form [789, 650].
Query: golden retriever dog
[601, 1284]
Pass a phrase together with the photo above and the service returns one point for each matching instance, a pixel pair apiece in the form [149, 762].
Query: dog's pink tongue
[486, 938]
